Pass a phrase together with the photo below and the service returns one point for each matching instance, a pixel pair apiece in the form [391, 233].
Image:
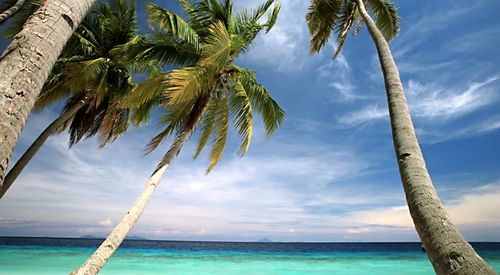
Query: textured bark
[11, 11]
[97, 260]
[446, 248]
[36, 145]
[26, 63]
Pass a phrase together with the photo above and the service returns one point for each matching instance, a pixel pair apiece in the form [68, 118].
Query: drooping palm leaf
[339, 16]
[322, 18]
[172, 24]
[241, 110]
[207, 125]
[221, 131]
[386, 17]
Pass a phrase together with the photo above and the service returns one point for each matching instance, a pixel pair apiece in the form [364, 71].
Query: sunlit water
[60, 256]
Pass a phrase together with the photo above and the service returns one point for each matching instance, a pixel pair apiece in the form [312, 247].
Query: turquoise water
[219, 258]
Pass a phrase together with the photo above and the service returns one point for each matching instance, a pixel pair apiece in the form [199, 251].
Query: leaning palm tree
[21, 17]
[209, 91]
[446, 248]
[9, 12]
[26, 64]
[93, 75]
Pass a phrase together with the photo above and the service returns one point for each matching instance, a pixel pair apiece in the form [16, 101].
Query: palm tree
[4, 15]
[26, 63]
[23, 13]
[94, 75]
[446, 247]
[209, 91]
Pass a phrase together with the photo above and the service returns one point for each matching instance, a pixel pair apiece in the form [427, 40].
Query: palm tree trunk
[11, 11]
[36, 145]
[26, 63]
[446, 248]
[97, 260]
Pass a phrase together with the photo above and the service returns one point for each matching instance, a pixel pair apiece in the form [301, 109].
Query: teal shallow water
[61, 260]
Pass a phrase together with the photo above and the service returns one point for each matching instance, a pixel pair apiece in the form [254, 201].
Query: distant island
[265, 240]
[88, 236]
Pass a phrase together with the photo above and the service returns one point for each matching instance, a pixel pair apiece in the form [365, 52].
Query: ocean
[60, 256]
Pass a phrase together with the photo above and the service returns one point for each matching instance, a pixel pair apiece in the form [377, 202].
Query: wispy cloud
[484, 126]
[286, 46]
[477, 207]
[431, 20]
[432, 100]
[337, 74]
[429, 101]
[106, 222]
[367, 114]
[284, 186]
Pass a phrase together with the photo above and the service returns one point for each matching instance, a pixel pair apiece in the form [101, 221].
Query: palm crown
[91, 68]
[206, 56]
[340, 16]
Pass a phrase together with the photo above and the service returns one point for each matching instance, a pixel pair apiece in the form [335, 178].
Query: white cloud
[431, 19]
[432, 100]
[472, 129]
[338, 75]
[273, 190]
[107, 222]
[286, 46]
[293, 194]
[367, 114]
[477, 208]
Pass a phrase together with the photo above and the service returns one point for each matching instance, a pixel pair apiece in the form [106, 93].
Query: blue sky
[329, 174]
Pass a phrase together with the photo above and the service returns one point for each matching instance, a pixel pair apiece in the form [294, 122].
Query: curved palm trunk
[97, 260]
[11, 11]
[36, 145]
[446, 248]
[26, 63]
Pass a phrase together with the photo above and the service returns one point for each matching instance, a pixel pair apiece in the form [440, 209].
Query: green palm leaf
[207, 125]
[272, 115]
[186, 84]
[172, 24]
[386, 17]
[241, 110]
[322, 18]
[273, 17]
[217, 49]
[347, 16]
[221, 130]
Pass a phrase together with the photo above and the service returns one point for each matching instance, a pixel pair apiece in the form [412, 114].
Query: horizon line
[218, 241]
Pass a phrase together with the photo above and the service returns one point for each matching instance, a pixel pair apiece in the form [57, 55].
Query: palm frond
[221, 11]
[150, 90]
[241, 111]
[207, 125]
[273, 17]
[174, 118]
[386, 17]
[217, 49]
[221, 130]
[261, 10]
[322, 18]
[186, 84]
[347, 16]
[172, 24]
[114, 124]
[271, 113]
[187, 6]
